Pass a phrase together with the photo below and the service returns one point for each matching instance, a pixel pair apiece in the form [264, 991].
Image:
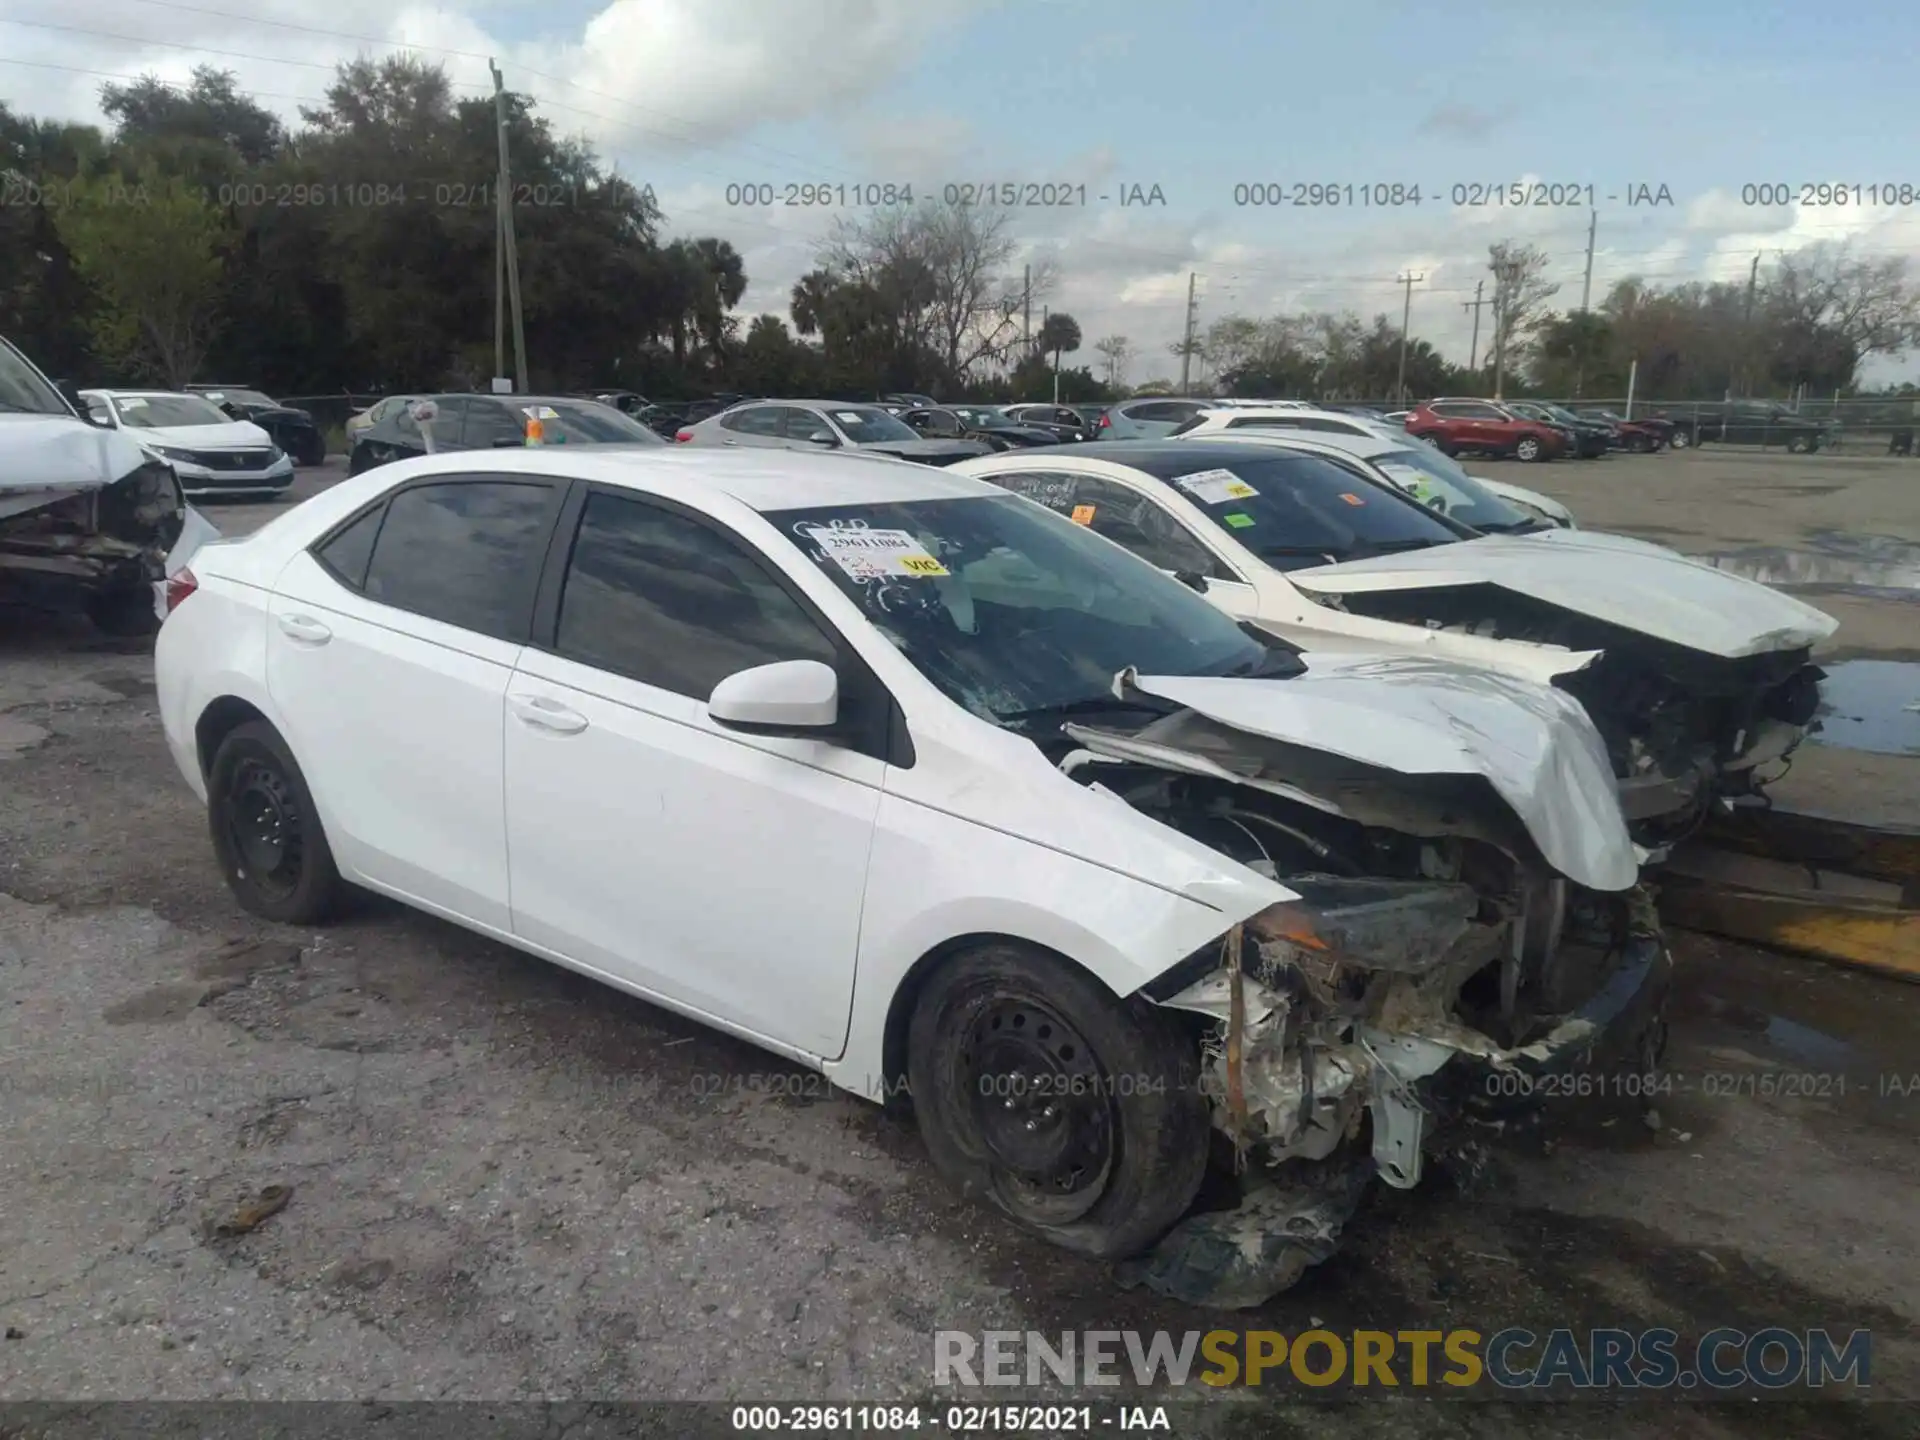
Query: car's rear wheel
[1076, 1113]
[1798, 445]
[125, 613]
[266, 832]
[1527, 448]
[1681, 440]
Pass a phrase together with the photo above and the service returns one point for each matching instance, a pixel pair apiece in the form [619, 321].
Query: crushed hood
[59, 453]
[1418, 716]
[1665, 596]
[1520, 495]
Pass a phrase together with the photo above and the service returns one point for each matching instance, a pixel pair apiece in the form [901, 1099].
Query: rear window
[1294, 510]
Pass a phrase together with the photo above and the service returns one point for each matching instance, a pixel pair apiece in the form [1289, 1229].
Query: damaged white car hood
[1665, 596]
[233, 435]
[56, 452]
[1418, 716]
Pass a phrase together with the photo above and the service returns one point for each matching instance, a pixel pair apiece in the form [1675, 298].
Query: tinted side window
[347, 553]
[491, 421]
[1133, 521]
[1158, 414]
[661, 599]
[1053, 490]
[465, 554]
[756, 420]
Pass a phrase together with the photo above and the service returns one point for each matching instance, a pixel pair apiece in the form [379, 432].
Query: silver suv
[828, 425]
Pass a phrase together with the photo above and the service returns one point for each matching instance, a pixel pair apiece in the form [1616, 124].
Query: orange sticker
[1352, 499]
[1083, 514]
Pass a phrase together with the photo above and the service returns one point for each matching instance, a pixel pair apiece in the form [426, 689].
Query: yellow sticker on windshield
[1351, 499]
[1083, 514]
[922, 565]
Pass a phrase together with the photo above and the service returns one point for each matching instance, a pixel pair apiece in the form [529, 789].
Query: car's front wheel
[1075, 1112]
[1527, 448]
[1682, 439]
[125, 614]
[266, 831]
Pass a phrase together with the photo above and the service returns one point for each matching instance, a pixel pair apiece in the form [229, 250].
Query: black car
[293, 430]
[1745, 424]
[495, 422]
[976, 422]
[1591, 438]
[627, 402]
[907, 400]
[1069, 422]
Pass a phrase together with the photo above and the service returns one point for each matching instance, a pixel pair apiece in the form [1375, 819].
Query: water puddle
[1871, 705]
[1876, 566]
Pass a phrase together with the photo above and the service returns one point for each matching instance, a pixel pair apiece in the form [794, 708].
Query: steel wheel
[263, 818]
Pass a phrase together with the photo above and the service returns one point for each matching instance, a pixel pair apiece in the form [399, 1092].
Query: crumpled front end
[1348, 1035]
[95, 549]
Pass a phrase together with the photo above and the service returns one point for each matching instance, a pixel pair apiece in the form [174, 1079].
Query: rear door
[754, 426]
[389, 646]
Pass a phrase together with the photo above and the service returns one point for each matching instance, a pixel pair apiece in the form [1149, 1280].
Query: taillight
[179, 587]
[681, 437]
[1106, 423]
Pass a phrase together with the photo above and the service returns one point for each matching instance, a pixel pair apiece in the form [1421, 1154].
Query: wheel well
[216, 722]
[893, 1046]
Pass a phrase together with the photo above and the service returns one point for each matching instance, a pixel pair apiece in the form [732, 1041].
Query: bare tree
[1867, 304]
[1116, 350]
[1520, 293]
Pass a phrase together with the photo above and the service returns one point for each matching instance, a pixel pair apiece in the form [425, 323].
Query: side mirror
[1193, 580]
[788, 697]
[823, 438]
[70, 393]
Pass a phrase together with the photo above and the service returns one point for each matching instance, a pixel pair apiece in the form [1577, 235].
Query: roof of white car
[759, 479]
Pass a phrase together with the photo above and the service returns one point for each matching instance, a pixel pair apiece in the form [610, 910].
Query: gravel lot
[511, 1184]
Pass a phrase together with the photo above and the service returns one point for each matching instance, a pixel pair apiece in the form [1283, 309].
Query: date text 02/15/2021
[1473, 195]
[1001, 194]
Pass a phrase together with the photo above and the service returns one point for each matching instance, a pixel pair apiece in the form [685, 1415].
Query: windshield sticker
[876, 554]
[1215, 487]
[1083, 514]
[1238, 521]
[133, 402]
[847, 417]
[540, 412]
[1351, 498]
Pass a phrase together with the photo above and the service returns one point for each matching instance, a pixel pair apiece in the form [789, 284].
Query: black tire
[361, 460]
[266, 833]
[1127, 1146]
[313, 450]
[1645, 444]
[1681, 440]
[1529, 449]
[1798, 445]
[125, 614]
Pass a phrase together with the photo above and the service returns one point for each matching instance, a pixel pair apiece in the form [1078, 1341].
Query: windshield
[1561, 413]
[154, 412]
[1016, 613]
[1294, 509]
[1440, 484]
[862, 424]
[582, 422]
[23, 389]
[984, 419]
[239, 397]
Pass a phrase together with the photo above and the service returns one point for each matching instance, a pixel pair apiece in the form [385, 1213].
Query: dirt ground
[509, 1183]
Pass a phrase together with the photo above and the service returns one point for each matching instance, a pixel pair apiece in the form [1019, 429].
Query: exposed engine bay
[1681, 726]
[1343, 1036]
[98, 549]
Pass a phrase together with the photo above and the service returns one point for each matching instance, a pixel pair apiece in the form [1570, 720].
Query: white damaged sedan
[912, 782]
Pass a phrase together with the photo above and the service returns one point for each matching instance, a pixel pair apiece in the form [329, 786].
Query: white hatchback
[912, 782]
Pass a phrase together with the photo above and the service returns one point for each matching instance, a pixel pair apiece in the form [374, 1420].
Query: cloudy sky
[1197, 99]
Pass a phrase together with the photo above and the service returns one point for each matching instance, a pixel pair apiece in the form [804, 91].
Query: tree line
[200, 237]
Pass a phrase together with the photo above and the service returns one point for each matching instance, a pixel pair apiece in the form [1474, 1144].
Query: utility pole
[1406, 316]
[1026, 321]
[1501, 280]
[1186, 345]
[1473, 352]
[1586, 293]
[1746, 323]
[505, 218]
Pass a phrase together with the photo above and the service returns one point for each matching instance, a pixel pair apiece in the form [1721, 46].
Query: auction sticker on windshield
[846, 417]
[1083, 514]
[540, 412]
[1214, 487]
[877, 554]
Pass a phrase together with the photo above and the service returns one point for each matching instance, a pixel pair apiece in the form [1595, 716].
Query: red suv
[1461, 426]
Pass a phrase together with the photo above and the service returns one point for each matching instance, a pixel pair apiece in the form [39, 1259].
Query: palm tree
[723, 277]
[811, 295]
[1059, 335]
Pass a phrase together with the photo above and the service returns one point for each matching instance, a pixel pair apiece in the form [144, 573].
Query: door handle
[538, 710]
[729, 442]
[303, 628]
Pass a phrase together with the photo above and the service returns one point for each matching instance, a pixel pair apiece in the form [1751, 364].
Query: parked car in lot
[494, 422]
[362, 421]
[1695, 677]
[1480, 427]
[1641, 436]
[1018, 812]
[1069, 423]
[1490, 506]
[1771, 425]
[824, 425]
[1363, 432]
[292, 429]
[1148, 419]
[89, 517]
[209, 451]
[1591, 438]
[976, 422]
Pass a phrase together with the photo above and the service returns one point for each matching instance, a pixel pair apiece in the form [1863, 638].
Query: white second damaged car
[910, 781]
[89, 521]
[1698, 680]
